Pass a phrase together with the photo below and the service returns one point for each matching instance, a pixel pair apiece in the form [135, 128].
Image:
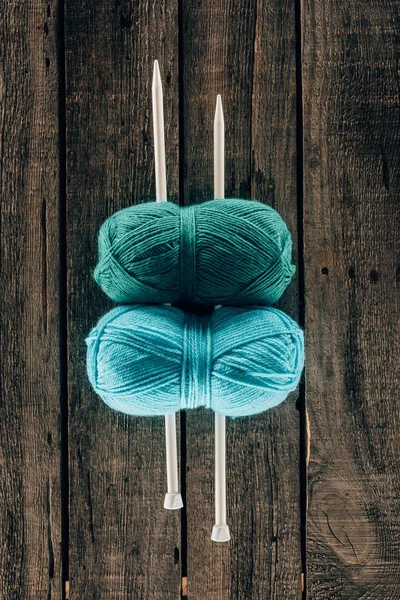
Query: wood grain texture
[30, 504]
[246, 52]
[351, 54]
[123, 544]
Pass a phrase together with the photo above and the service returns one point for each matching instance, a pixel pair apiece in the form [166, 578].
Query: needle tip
[219, 113]
[156, 75]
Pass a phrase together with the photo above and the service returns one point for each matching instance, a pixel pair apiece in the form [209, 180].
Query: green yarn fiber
[229, 251]
[154, 360]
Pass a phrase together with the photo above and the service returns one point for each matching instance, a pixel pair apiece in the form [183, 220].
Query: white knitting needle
[173, 499]
[220, 532]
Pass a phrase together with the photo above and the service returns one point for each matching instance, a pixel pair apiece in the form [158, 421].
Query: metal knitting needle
[220, 532]
[173, 499]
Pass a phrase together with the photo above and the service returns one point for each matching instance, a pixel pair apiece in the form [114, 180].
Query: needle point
[219, 113]
[156, 75]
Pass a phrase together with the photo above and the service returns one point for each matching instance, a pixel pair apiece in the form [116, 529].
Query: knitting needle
[173, 499]
[220, 532]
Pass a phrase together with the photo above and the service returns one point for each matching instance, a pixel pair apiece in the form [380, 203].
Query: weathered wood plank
[351, 54]
[246, 52]
[30, 503]
[123, 544]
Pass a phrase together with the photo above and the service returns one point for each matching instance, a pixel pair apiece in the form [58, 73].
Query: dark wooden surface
[351, 200]
[311, 99]
[30, 426]
[123, 544]
[247, 54]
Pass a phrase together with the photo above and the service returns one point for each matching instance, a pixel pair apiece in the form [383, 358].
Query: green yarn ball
[229, 251]
[154, 360]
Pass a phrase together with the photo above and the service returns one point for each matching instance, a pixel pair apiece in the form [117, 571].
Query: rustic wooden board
[30, 433]
[118, 541]
[351, 54]
[123, 544]
[246, 52]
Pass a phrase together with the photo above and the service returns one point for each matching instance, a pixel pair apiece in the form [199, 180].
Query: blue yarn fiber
[229, 251]
[154, 360]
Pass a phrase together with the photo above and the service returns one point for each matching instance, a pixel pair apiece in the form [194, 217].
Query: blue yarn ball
[227, 251]
[154, 360]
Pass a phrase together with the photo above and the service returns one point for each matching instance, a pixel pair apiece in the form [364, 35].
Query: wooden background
[311, 94]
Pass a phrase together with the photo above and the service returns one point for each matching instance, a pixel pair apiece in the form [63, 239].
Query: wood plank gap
[183, 450]
[181, 115]
[63, 331]
[181, 185]
[301, 402]
[251, 118]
